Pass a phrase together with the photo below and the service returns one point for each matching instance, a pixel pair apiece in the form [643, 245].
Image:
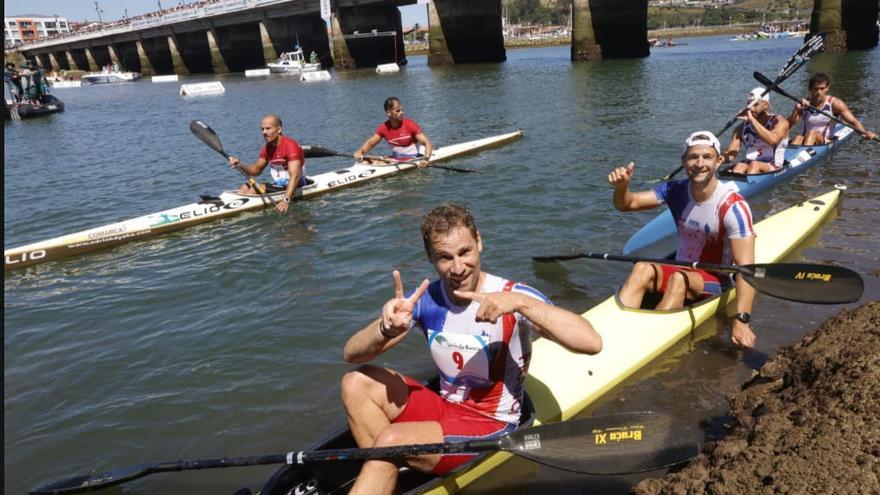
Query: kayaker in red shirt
[402, 134]
[285, 158]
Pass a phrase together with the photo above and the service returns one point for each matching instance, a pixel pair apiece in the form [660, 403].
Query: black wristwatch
[286, 199]
[744, 317]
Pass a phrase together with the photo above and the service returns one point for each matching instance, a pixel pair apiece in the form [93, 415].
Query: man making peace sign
[478, 327]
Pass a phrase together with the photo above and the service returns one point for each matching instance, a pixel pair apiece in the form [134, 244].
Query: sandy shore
[807, 422]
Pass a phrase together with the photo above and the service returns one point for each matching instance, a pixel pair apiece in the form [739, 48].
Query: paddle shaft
[801, 282]
[791, 66]
[763, 80]
[320, 151]
[654, 440]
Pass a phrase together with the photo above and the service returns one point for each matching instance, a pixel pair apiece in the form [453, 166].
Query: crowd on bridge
[98, 26]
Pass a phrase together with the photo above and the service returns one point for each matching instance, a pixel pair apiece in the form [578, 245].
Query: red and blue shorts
[712, 285]
[458, 422]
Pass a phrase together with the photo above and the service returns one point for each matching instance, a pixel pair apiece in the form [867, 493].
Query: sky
[79, 10]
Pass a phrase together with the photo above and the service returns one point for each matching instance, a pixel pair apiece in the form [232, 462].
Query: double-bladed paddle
[621, 443]
[800, 57]
[800, 282]
[761, 78]
[313, 151]
[204, 132]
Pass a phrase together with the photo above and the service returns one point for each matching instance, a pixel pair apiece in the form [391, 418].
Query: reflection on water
[225, 339]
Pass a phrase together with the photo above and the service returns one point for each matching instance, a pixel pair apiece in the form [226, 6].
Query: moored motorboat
[228, 203]
[561, 383]
[798, 159]
[110, 77]
[292, 63]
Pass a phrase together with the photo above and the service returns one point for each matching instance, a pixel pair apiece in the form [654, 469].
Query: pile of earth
[807, 422]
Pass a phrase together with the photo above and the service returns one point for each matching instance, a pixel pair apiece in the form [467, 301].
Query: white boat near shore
[110, 77]
[292, 63]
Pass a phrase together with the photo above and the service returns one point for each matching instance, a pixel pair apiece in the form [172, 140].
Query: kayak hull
[561, 384]
[799, 159]
[227, 204]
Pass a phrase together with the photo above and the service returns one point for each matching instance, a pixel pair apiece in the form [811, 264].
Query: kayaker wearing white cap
[714, 225]
[765, 135]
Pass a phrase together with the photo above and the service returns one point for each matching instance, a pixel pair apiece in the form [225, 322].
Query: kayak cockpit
[337, 477]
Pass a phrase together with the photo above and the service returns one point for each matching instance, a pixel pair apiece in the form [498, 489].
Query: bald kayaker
[764, 134]
[478, 329]
[818, 128]
[285, 159]
[714, 225]
[402, 134]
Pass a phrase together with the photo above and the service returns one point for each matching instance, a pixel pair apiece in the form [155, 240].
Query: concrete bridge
[236, 35]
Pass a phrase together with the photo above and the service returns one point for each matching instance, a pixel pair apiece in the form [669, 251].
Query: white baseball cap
[759, 94]
[701, 137]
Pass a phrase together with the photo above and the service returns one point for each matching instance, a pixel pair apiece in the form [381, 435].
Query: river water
[225, 339]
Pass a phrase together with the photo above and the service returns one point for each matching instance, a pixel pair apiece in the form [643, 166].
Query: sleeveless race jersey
[401, 139]
[482, 365]
[705, 229]
[759, 150]
[286, 150]
[818, 123]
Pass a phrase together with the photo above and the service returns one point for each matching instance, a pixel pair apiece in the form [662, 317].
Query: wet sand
[807, 422]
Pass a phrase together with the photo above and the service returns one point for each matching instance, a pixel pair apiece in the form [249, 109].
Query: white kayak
[227, 204]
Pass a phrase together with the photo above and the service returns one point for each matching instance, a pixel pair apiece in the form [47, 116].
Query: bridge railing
[183, 15]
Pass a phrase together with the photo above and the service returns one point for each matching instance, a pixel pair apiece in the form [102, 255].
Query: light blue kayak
[798, 159]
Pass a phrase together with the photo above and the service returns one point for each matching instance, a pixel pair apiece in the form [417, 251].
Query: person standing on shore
[285, 159]
[714, 225]
[817, 127]
[478, 330]
[402, 134]
[765, 135]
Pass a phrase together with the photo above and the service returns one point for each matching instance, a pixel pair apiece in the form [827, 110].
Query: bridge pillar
[54, 62]
[179, 67]
[71, 61]
[217, 62]
[269, 53]
[146, 66]
[471, 30]
[93, 66]
[619, 29]
[438, 50]
[114, 58]
[342, 58]
[583, 36]
[849, 25]
[38, 59]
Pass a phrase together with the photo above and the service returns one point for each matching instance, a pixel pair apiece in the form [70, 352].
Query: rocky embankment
[807, 422]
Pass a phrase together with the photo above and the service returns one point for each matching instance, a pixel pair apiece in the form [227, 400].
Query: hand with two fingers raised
[397, 313]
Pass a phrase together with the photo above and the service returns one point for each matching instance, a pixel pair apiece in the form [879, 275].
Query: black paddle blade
[97, 481]
[313, 151]
[622, 443]
[204, 132]
[560, 257]
[808, 283]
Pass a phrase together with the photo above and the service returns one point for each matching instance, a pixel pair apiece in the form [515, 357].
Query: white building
[24, 28]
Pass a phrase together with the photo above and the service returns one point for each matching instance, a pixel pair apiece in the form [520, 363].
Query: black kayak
[49, 106]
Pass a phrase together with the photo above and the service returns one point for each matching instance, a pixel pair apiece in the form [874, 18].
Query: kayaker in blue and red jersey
[817, 127]
[402, 134]
[765, 135]
[478, 330]
[285, 159]
[714, 225]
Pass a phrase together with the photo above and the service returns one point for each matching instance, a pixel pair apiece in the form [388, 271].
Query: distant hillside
[743, 11]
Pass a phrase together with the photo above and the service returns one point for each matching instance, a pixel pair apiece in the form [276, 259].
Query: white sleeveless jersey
[482, 365]
[759, 150]
[818, 123]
